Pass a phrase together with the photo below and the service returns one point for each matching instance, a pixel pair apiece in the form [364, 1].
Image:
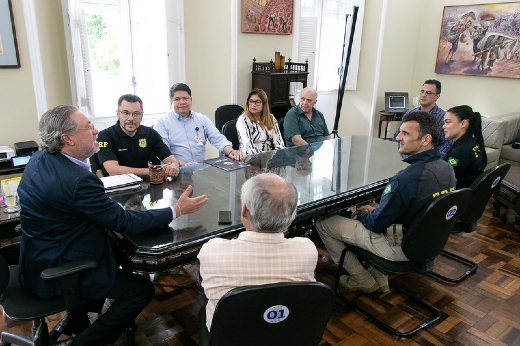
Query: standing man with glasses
[429, 94]
[186, 132]
[127, 147]
[303, 123]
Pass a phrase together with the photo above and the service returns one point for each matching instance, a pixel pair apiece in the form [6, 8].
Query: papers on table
[121, 182]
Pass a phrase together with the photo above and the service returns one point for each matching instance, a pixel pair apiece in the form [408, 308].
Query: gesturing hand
[189, 205]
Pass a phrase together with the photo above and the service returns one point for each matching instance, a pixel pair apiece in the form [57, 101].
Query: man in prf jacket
[408, 193]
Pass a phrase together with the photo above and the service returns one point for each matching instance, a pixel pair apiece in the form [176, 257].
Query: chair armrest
[68, 276]
[67, 269]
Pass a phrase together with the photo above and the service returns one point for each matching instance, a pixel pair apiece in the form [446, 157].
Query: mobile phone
[224, 218]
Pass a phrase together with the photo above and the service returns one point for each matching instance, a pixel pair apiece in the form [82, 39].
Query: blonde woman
[257, 128]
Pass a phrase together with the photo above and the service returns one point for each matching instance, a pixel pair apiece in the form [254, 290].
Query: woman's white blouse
[253, 139]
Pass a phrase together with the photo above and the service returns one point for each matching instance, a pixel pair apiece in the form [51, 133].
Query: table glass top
[318, 171]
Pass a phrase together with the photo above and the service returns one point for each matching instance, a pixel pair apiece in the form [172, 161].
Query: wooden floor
[482, 310]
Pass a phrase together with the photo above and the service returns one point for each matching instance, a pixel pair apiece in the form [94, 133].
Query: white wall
[19, 118]
[409, 51]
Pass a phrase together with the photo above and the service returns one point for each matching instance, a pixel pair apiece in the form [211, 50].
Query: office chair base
[472, 265]
[378, 322]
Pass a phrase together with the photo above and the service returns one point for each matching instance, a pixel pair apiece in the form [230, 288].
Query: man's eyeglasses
[428, 93]
[90, 128]
[253, 102]
[178, 99]
[134, 114]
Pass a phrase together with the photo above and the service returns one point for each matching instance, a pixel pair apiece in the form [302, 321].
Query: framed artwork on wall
[267, 16]
[9, 57]
[480, 40]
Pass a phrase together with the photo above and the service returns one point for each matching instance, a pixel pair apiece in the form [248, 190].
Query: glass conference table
[329, 176]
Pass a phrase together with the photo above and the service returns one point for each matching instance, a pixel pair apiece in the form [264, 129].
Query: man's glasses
[253, 102]
[428, 93]
[90, 128]
[134, 114]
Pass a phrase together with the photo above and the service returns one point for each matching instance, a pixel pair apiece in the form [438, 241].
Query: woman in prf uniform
[468, 154]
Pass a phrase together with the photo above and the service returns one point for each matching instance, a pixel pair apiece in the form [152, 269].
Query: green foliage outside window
[103, 43]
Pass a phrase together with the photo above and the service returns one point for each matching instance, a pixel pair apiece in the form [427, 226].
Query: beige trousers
[337, 230]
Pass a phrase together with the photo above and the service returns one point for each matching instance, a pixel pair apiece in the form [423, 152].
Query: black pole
[344, 69]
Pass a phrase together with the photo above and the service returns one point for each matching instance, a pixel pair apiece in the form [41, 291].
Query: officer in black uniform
[467, 160]
[127, 147]
[406, 195]
[467, 155]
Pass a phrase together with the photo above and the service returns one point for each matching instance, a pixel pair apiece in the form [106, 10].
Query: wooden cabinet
[276, 83]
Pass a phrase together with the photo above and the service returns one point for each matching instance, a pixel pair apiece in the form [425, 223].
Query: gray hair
[271, 208]
[53, 124]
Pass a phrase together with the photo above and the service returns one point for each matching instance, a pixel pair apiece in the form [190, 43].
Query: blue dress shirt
[186, 138]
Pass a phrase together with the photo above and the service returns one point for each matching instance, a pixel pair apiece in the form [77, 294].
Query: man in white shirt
[261, 254]
[185, 132]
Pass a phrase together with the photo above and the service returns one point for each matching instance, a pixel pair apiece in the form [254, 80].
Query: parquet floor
[482, 310]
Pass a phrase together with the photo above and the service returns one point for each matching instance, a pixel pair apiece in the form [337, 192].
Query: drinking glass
[12, 203]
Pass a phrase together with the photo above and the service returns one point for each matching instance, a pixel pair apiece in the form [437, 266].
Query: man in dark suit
[65, 214]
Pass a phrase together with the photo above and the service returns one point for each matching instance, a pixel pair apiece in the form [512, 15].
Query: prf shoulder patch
[389, 188]
[453, 162]
[142, 142]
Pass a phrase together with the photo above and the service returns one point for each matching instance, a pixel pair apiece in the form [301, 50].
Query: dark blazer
[64, 217]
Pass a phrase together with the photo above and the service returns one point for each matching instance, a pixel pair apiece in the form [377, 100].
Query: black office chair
[19, 303]
[280, 126]
[423, 241]
[483, 188]
[95, 166]
[230, 131]
[223, 114]
[286, 313]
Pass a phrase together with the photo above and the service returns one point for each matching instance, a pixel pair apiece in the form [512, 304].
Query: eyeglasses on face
[134, 114]
[428, 93]
[90, 128]
[253, 102]
[178, 99]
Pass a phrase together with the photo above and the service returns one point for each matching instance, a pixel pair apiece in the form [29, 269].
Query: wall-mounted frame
[9, 57]
[480, 40]
[267, 16]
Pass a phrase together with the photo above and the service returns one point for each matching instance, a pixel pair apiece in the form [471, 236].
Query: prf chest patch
[452, 161]
[476, 150]
[142, 142]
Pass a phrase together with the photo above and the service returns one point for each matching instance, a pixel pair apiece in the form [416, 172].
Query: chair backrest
[483, 187]
[230, 131]
[4, 274]
[223, 114]
[280, 126]
[289, 313]
[94, 164]
[426, 238]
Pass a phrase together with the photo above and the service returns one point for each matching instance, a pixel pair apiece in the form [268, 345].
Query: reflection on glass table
[329, 176]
